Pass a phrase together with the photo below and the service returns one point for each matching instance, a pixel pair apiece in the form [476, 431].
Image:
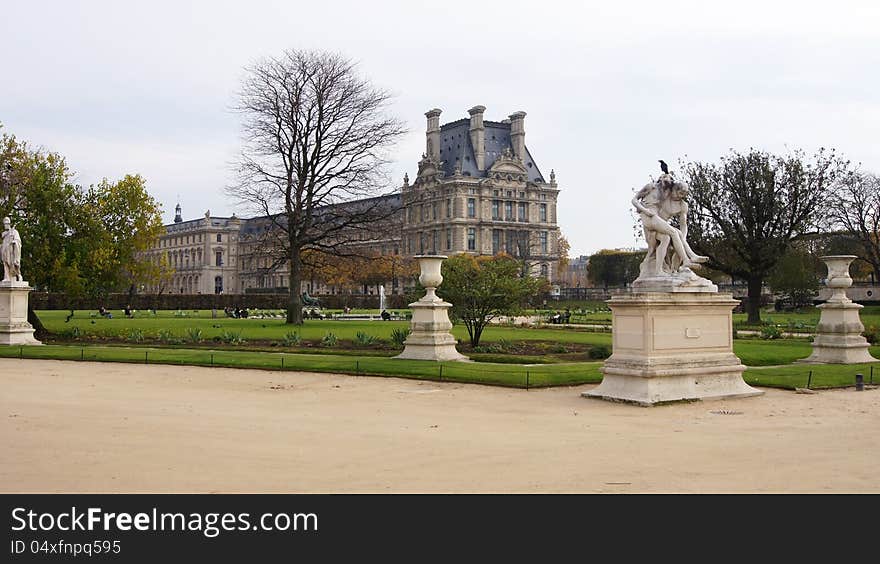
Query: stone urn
[838, 276]
[839, 338]
[430, 276]
[429, 337]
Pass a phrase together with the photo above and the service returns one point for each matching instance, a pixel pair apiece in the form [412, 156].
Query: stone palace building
[478, 190]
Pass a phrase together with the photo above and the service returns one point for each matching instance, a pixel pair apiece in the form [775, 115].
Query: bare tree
[316, 136]
[855, 211]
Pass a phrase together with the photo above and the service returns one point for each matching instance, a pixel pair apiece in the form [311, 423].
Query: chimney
[433, 134]
[478, 135]
[518, 134]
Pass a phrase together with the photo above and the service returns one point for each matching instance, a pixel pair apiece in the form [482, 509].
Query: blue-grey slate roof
[455, 146]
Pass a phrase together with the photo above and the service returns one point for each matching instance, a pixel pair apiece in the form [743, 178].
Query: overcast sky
[609, 87]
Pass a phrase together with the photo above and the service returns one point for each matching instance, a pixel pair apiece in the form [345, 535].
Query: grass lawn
[769, 361]
[514, 375]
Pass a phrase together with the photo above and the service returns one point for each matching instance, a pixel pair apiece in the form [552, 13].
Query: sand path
[100, 427]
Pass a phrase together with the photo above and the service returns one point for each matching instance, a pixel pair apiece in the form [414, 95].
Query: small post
[357, 366]
[20, 351]
[212, 359]
[860, 382]
[810, 377]
[527, 379]
[82, 353]
[441, 372]
[872, 375]
[282, 362]
[145, 357]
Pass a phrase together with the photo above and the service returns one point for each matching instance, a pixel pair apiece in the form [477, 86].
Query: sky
[608, 87]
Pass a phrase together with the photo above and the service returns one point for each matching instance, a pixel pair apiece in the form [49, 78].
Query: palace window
[472, 239]
[496, 209]
[496, 241]
[543, 242]
[542, 212]
[508, 211]
[523, 216]
[218, 258]
[472, 207]
[219, 238]
[448, 239]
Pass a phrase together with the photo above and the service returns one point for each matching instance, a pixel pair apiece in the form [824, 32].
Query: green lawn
[769, 361]
[514, 375]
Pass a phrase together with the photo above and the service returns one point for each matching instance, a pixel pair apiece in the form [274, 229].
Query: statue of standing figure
[10, 252]
[658, 203]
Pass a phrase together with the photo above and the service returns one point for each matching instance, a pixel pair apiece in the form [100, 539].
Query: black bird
[663, 167]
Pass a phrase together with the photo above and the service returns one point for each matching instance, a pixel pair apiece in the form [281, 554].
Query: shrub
[135, 335]
[872, 334]
[329, 340]
[291, 339]
[770, 332]
[167, 336]
[365, 339]
[559, 348]
[70, 333]
[398, 336]
[194, 335]
[504, 345]
[600, 352]
[231, 337]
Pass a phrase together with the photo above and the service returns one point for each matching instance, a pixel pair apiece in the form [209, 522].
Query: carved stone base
[671, 347]
[14, 326]
[685, 280]
[839, 337]
[429, 337]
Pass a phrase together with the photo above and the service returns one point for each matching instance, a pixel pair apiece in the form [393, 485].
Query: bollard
[860, 382]
[282, 363]
[810, 377]
[145, 357]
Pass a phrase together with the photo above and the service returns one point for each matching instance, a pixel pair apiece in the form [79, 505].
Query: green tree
[483, 288]
[795, 277]
[75, 241]
[613, 267]
[746, 211]
[129, 223]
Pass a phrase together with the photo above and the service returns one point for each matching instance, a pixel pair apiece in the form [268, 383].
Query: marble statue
[10, 251]
[670, 258]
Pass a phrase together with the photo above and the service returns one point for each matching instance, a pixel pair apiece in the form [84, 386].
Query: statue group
[663, 208]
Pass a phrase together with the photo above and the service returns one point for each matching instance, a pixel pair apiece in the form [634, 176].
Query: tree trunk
[753, 303]
[40, 331]
[294, 304]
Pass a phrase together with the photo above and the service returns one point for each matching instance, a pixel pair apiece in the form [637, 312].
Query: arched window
[219, 238]
[218, 284]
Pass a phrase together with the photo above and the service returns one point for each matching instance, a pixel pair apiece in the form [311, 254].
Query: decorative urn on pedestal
[839, 337]
[429, 337]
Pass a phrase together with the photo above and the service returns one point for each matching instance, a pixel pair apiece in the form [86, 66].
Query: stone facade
[478, 191]
[203, 254]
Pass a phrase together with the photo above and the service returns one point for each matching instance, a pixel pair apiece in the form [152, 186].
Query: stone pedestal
[14, 326]
[839, 337]
[429, 337]
[672, 346]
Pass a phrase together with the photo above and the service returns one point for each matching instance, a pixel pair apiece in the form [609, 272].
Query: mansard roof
[455, 147]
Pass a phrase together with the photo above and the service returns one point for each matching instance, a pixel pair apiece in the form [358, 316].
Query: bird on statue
[663, 167]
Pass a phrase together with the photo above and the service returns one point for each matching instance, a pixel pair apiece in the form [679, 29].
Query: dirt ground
[94, 427]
